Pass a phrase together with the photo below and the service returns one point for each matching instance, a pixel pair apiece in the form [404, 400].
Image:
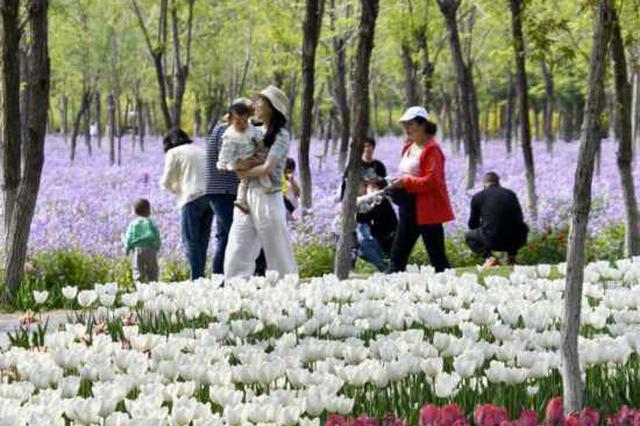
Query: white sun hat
[414, 112]
[278, 99]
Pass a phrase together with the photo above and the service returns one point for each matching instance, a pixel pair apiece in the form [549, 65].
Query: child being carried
[242, 141]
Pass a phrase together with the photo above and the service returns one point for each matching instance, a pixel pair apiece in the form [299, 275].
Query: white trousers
[265, 227]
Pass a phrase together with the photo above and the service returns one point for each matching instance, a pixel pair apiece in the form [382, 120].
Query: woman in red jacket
[424, 200]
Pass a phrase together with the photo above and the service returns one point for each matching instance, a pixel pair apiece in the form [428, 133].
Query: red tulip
[430, 415]
[336, 420]
[589, 417]
[573, 419]
[527, 418]
[450, 415]
[554, 413]
[364, 420]
[489, 415]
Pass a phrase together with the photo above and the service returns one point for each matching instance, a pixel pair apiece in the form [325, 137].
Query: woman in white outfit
[265, 225]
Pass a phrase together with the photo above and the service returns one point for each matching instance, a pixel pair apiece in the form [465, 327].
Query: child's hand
[243, 165]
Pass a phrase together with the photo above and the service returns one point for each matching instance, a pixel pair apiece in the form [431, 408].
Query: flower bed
[271, 351]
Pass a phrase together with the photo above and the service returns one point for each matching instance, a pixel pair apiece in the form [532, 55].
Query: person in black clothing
[376, 224]
[496, 222]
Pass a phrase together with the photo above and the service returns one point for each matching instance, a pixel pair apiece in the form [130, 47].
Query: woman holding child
[264, 222]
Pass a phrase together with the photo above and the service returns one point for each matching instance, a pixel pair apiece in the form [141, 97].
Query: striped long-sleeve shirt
[216, 181]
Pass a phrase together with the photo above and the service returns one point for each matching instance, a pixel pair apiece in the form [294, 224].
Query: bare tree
[572, 383]
[311, 26]
[171, 86]
[625, 155]
[11, 131]
[361, 126]
[85, 104]
[549, 103]
[37, 83]
[517, 8]
[340, 72]
[449, 9]
[111, 123]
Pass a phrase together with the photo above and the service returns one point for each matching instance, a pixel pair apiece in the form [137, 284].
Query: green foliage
[314, 259]
[53, 270]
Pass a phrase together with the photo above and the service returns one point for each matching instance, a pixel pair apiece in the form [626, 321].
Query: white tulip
[107, 299]
[69, 292]
[446, 384]
[40, 296]
[87, 297]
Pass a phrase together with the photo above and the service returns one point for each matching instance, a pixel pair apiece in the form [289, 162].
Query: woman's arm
[262, 170]
[170, 175]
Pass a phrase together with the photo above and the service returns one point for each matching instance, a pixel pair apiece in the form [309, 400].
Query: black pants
[407, 234]
[478, 244]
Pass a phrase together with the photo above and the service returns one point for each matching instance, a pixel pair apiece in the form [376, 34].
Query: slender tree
[625, 155]
[339, 42]
[549, 102]
[572, 383]
[10, 94]
[37, 83]
[361, 126]
[449, 9]
[311, 26]
[517, 9]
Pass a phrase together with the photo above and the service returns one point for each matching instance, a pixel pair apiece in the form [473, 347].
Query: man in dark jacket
[496, 222]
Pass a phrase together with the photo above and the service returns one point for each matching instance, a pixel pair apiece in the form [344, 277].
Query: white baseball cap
[414, 112]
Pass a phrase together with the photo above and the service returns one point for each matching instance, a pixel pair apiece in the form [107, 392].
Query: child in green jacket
[143, 240]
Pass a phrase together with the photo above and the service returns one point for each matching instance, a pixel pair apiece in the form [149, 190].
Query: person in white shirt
[183, 176]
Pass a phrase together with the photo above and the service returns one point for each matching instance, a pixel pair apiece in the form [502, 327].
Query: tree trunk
[182, 69]
[38, 79]
[361, 121]
[150, 123]
[65, 117]
[98, 107]
[86, 123]
[141, 127]
[340, 72]
[635, 114]
[312, 25]
[475, 113]
[411, 97]
[572, 383]
[517, 7]
[157, 56]
[567, 128]
[111, 123]
[549, 102]
[508, 120]
[84, 106]
[449, 9]
[197, 121]
[10, 97]
[625, 154]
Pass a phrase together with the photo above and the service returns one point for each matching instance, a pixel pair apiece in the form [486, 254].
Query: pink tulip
[489, 415]
[336, 420]
[527, 418]
[364, 420]
[554, 413]
[450, 415]
[589, 417]
[430, 415]
[573, 419]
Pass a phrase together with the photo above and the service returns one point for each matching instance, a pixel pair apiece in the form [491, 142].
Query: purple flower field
[86, 204]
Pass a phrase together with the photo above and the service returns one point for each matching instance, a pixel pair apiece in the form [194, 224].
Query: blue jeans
[196, 229]
[222, 206]
[369, 249]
